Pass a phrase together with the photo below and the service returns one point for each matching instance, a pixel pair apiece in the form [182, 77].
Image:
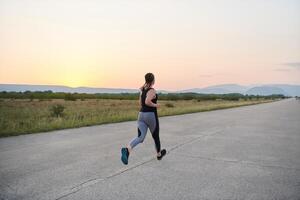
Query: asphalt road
[250, 152]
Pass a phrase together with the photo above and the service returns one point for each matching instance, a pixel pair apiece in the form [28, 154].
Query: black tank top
[144, 107]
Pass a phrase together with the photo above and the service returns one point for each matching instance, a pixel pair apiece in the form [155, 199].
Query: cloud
[282, 70]
[205, 75]
[213, 75]
[295, 65]
[288, 67]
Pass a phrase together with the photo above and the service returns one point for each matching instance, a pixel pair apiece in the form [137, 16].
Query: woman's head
[149, 79]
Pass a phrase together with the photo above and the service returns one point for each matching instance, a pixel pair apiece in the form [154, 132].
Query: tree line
[44, 95]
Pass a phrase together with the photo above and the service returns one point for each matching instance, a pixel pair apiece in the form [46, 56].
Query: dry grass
[25, 116]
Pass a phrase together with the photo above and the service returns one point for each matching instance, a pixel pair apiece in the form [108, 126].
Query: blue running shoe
[125, 155]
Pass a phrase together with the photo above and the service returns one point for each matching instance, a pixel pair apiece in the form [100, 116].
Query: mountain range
[267, 89]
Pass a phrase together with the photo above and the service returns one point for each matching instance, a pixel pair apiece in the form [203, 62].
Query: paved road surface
[250, 152]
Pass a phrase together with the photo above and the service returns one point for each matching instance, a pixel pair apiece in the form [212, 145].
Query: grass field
[31, 116]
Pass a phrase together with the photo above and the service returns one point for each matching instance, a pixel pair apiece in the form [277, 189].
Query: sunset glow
[186, 44]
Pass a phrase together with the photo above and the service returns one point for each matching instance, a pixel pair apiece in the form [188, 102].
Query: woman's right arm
[140, 98]
[151, 95]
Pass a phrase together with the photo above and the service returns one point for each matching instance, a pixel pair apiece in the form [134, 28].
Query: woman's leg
[142, 131]
[155, 134]
[154, 129]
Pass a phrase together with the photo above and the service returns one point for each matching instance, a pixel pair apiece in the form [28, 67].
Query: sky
[186, 44]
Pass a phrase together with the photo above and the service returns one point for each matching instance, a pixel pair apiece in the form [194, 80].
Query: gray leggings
[147, 120]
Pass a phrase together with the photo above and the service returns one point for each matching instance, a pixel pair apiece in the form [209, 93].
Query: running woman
[147, 118]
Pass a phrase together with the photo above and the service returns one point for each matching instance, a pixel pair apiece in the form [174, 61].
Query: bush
[57, 110]
[169, 105]
[31, 97]
[70, 97]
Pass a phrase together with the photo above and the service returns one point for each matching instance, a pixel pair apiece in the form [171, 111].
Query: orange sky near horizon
[186, 44]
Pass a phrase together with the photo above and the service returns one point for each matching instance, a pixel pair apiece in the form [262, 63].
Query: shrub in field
[70, 97]
[233, 98]
[57, 110]
[31, 97]
[80, 117]
[169, 105]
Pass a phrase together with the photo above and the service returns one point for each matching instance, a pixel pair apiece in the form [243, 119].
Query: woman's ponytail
[149, 78]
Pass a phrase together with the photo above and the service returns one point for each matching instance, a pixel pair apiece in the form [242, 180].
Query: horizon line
[116, 88]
